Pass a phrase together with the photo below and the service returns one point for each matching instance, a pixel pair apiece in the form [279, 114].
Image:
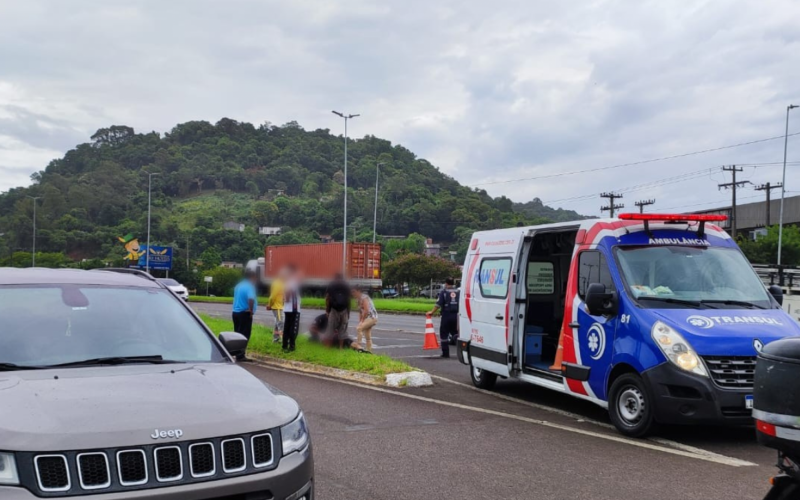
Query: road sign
[208, 279]
[160, 258]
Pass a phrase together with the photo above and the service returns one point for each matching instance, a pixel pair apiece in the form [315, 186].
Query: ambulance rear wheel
[481, 378]
[630, 406]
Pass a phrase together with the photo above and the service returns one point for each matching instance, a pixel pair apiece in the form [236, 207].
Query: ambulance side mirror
[777, 294]
[600, 302]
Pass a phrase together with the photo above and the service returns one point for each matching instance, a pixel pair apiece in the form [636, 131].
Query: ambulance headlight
[677, 350]
[8, 469]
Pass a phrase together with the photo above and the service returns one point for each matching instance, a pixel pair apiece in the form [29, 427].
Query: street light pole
[147, 253]
[33, 252]
[375, 217]
[783, 183]
[344, 225]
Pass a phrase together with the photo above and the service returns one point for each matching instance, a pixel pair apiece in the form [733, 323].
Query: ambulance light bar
[701, 218]
[675, 217]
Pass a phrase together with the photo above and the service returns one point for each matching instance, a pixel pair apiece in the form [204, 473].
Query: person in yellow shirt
[275, 305]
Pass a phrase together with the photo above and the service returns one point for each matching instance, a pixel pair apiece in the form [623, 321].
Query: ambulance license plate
[748, 402]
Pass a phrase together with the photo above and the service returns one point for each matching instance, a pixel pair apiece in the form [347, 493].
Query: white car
[176, 287]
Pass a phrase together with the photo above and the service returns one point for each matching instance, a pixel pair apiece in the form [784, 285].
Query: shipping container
[320, 262]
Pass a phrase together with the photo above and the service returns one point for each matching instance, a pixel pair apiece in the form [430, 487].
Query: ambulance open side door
[490, 297]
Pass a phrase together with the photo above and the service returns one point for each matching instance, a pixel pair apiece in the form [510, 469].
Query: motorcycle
[777, 413]
[786, 485]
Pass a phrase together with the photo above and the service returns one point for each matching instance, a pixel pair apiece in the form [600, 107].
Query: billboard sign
[160, 258]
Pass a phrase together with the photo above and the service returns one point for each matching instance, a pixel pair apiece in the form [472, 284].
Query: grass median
[399, 306]
[310, 352]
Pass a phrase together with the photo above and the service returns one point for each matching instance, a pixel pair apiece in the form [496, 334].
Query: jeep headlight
[8, 469]
[294, 435]
[677, 350]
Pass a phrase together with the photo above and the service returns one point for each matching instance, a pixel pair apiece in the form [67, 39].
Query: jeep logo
[174, 433]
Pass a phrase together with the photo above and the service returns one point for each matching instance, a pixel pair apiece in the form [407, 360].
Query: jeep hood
[116, 406]
[729, 332]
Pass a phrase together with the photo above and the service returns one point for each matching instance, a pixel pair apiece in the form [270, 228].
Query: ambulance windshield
[691, 277]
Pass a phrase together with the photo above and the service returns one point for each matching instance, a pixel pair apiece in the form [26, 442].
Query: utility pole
[733, 185]
[611, 207]
[783, 181]
[344, 225]
[149, 184]
[643, 203]
[768, 187]
[375, 217]
[33, 253]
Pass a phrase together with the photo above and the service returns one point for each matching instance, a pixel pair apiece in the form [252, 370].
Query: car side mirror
[777, 293]
[599, 302]
[234, 343]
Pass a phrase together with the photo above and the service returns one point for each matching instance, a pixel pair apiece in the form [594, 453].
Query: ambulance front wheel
[630, 406]
[481, 378]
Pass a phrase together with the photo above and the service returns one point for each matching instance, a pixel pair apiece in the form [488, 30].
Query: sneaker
[444, 356]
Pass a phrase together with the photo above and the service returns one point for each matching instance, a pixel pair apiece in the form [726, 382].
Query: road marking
[581, 418]
[714, 458]
[396, 346]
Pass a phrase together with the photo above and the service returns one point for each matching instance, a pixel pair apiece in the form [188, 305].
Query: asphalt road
[381, 445]
[452, 442]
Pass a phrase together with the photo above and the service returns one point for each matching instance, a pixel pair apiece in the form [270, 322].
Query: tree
[224, 279]
[211, 258]
[418, 270]
[264, 212]
[764, 250]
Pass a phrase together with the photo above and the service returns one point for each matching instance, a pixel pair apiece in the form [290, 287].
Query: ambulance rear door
[488, 298]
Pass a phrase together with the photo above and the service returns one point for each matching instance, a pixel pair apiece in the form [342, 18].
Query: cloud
[522, 89]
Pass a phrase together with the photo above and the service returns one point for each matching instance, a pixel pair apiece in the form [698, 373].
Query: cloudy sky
[490, 92]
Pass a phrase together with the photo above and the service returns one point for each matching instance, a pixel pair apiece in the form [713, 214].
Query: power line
[642, 162]
[660, 182]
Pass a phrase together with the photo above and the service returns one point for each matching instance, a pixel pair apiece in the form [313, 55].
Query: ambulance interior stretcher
[545, 277]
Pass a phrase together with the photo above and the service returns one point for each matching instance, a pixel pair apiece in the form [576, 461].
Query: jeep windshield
[676, 276]
[69, 325]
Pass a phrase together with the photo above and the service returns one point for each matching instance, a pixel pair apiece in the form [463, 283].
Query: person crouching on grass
[367, 317]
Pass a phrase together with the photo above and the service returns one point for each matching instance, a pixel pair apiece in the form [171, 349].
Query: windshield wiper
[729, 302]
[116, 360]
[670, 300]
[10, 367]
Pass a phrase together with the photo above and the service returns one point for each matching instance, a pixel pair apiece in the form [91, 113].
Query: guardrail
[786, 277]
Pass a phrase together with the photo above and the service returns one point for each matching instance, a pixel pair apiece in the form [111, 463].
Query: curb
[327, 371]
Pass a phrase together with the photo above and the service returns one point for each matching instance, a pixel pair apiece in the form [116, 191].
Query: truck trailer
[319, 262]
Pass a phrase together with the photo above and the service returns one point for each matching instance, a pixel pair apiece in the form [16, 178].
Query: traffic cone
[431, 342]
[559, 353]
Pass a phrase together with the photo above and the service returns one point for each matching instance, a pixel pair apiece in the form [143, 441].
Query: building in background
[269, 231]
[233, 226]
[752, 217]
[231, 265]
[432, 249]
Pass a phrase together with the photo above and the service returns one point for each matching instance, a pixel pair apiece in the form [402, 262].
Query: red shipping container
[319, 262]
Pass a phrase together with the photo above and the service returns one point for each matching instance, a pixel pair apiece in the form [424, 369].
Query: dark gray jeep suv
[112, 388]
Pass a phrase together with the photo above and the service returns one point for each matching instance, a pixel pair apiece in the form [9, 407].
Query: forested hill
[209, 174]
[535, 208]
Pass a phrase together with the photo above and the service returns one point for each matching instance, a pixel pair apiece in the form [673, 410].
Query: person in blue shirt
[244, 305]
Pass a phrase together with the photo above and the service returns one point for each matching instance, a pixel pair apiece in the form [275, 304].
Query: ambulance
[656, 317]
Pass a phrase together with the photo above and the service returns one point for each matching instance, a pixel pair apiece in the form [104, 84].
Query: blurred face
[356, 293]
